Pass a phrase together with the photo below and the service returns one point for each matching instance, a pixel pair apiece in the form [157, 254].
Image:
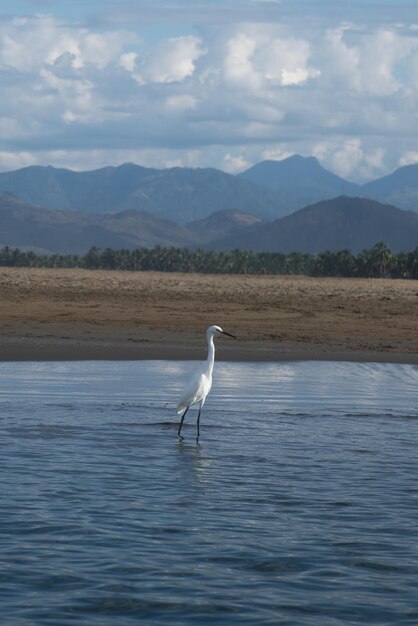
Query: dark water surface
[300, 506]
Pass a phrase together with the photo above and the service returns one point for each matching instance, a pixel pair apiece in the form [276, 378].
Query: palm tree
[381, 259]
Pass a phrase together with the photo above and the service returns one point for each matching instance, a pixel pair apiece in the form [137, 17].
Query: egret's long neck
[211, 355]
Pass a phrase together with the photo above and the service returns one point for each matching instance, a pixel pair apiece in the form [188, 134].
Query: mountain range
[27, 226]
[181, 194]
[289, 205]
[352, 223]
[270, 189]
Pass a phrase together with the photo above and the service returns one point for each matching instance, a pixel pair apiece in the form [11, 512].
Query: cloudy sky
[209, 83]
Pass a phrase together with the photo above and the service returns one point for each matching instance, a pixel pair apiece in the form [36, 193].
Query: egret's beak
[229, 334]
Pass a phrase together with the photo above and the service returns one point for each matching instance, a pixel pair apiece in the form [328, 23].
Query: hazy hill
[399, 188]
[221, 224]
[301, 179]
[28, 226]
[182, 194]
[353, 223]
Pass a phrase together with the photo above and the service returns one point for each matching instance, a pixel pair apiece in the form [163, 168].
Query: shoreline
[20, 349]
[68, 314]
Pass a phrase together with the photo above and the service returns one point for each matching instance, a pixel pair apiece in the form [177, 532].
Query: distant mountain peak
[298, 158]
[295, 165]
[128, 166]
[303, 179]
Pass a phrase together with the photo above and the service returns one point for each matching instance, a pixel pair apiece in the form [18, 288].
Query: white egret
[201, 382]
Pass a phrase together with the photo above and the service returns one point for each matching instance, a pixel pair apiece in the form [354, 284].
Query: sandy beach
[79, 314]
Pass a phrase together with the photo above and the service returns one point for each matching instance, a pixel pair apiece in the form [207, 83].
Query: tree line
[377, 262]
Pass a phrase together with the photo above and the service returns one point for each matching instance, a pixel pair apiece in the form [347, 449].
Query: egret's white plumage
[200, 384]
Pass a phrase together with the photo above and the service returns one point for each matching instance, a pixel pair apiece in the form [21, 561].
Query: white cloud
[381, 54]
[180, 103]
[275, 154]
[28, 44]
[128, 61]
[347, 158]
[228, 95]
[235, 164]
[238, 65]
[339, 60]
[374, 163]
[260, 57]
[286, 61]
[173, 60]
[351, 158]
[15, 160]
[366, 63]
[411, 156]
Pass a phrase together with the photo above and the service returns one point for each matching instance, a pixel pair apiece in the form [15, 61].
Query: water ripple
[299, 506]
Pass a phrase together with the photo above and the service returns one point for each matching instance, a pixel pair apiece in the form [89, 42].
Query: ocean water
[299, 506]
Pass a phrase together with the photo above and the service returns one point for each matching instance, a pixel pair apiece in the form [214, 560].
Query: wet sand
[79, 314]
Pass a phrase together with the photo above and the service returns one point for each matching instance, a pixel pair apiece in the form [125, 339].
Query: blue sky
[199, 83]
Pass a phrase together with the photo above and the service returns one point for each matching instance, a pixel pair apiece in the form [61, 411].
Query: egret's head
[213, 330]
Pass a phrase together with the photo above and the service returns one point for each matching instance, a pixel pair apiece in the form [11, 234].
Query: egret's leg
[198, 425]
[181, 422]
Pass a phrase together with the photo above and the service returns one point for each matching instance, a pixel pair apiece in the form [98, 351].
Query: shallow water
[298, 507]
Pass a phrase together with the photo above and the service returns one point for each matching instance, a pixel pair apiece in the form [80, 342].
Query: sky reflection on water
[299, 506]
